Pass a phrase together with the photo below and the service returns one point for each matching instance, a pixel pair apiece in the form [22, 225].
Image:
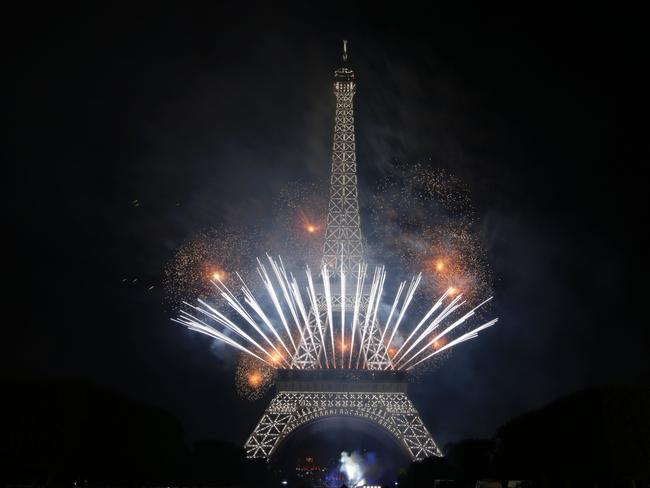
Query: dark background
[203, 113]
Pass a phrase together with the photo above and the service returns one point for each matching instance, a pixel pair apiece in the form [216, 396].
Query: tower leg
[375, 352]
[308, 353]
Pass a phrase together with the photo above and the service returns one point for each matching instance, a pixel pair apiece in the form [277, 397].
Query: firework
[426, 231]
[210, 255]
[455, 259]
[297, 226]
[425, 221]
[253, 377]
[267, 327]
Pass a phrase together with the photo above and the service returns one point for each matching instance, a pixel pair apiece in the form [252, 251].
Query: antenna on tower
[345, 50]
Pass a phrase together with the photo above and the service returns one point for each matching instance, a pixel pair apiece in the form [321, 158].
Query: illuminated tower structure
[366, 386]
[343, 249]
[343, 256]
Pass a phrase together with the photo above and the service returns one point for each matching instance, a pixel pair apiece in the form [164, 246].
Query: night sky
[203, 113]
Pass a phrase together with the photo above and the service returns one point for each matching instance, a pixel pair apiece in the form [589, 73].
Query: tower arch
[328, 436]
[308, 396]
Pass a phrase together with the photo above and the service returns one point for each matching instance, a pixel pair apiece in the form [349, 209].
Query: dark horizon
[202, 113]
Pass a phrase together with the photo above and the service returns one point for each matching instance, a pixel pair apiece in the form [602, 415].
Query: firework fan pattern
[277, 321]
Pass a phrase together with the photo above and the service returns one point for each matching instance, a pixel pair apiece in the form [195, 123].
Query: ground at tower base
[84, 435]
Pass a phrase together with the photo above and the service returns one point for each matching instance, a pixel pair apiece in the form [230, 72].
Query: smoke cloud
[354, 467]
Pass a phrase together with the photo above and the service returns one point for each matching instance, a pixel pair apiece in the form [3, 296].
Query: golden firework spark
[424, 220]
[439, 343]
[297, 224]
[218, 275]
[253, 378]
[203, 258]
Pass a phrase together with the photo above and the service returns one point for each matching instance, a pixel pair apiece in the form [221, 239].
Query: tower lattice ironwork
[378, 399]
[343, 248]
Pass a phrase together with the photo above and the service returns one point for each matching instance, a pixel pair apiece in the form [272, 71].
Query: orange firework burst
[202, 259]
[218, 275]
[425, 221]
[253, 378]
[439, 343]
[457, 262]
[297, 224]
[308, 222]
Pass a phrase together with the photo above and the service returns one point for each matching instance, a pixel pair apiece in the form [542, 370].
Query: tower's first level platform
[342, 380]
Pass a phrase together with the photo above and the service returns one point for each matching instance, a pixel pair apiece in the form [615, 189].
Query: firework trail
[269, 327]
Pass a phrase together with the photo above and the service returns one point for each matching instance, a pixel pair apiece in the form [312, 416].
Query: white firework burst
[288, 316]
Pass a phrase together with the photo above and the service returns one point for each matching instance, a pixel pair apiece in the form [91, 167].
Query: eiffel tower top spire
[343, 249]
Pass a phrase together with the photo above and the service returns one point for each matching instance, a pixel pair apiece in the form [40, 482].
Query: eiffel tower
[343, 249]
[325, 383]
